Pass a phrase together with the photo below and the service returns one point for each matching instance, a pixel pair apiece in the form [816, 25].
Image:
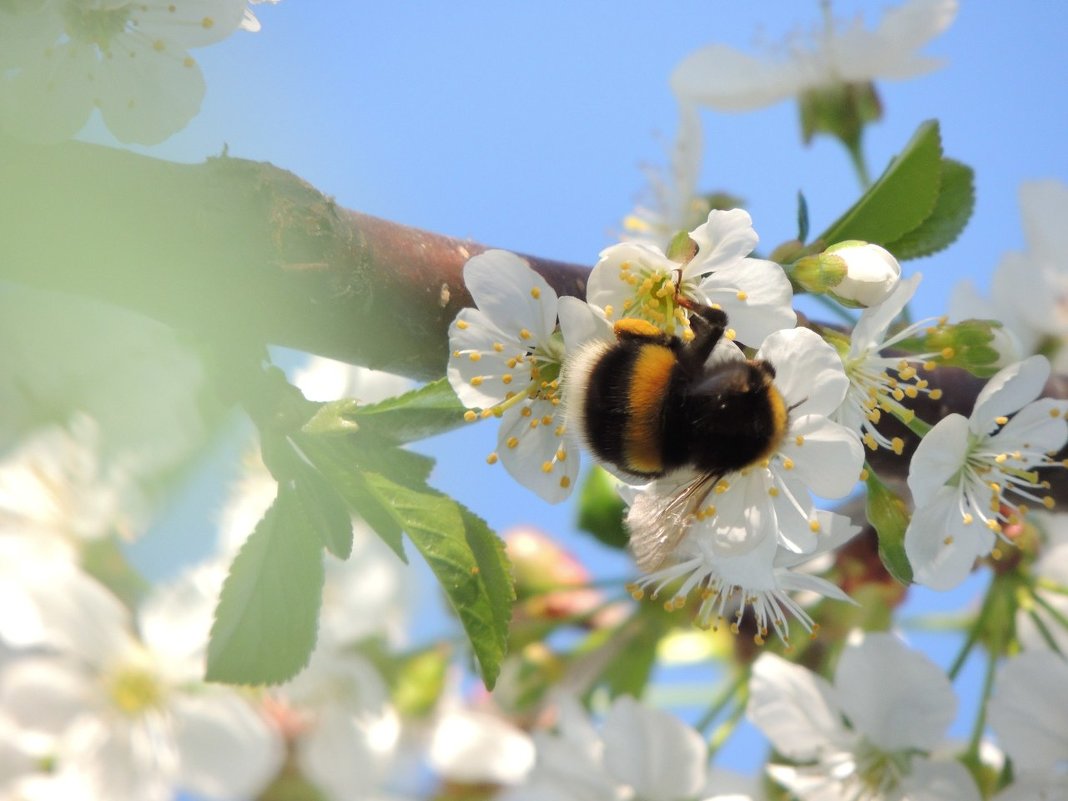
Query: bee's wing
[658, 523]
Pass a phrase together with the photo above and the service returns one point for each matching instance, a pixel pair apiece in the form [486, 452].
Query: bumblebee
[650, 404]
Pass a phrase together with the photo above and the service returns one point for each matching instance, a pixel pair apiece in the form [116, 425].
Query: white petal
[51, 98]
[1044, 206]
[1035, 426]
[345, 755]
[795, 532]
[534, 448]
[938, 457]
[726, 79]
[1027, 710]
[889, 50]
[45, 694]
[829, 459]
[915, 702]
[871, 327]
[796, 709]
[120, 759]
[938, 780]
[653, 752]
[472, 747]
[1008, 391]
[225, 748]
[767, 292]
[581, 323]
[722, 241]
[146, 95]
[511, 294]
[473, 332]
[808, 371]
[190, 23]
[940, 547]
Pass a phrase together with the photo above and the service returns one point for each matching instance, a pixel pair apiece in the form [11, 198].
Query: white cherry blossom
[728, 80]
[879, 383]
[746, 529]
[127, 713]
[1026, 713]
[638, 280]
[506, 360]
[129, 59]
[883, 752]
[639, 752]
[971, 476]
[872, 273]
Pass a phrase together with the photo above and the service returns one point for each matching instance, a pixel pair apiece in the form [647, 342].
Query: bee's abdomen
[624, 408]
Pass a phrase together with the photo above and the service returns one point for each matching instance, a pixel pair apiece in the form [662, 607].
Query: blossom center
[97, 26]
[134, 690]
[653, 294]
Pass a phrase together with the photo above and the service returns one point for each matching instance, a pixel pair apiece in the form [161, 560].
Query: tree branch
[235, 248]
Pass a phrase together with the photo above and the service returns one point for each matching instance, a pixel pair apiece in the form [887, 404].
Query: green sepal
[890, 518]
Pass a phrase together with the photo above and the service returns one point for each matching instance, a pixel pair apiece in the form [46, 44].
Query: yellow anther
[470, 416]
[535, 292]
[526, 412]
[474, 356]
[456, 354]
[936, 394]
[773, 492]
[561, 454]
[560, 430]
[929, 366]
[1048, 502]
[730, 334]
[742, 296]
[546, 467]
[491, 459]
[1001, 458]
[948, 352]
[476, 381]
[512, 442]
[967, 518]
[864, 474]
[461, 324]
[898, 395]
[814, 526]
[609, 311]
[524, 334]
[948, 540]
[897, 445]
[1001, 420]
[788, 463]
[799, 439]
[506, 378]
[994, 526]
[1054, 412]
[565, 482]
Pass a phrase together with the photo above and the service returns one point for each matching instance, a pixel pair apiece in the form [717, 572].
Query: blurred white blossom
[129, 59]
[898, 705]
[1038, 618]
[1026, 713]
[728, 80]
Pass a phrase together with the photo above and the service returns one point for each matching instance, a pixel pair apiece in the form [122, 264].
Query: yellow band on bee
[648, 387]
[636, 327]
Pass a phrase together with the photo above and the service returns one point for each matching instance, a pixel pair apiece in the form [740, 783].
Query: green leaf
[346, 461]
[601, 510]
[953, 209]
[323, 508]
[902, 198]
[421, 413]
[467, 558]
[265, 623]
[629, 672]
[888, 515]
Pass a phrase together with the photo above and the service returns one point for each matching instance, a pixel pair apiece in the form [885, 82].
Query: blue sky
[523, 125]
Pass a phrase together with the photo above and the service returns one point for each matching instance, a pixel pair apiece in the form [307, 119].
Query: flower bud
[871, 273]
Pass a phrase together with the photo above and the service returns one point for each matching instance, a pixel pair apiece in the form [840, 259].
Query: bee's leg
[708, 325]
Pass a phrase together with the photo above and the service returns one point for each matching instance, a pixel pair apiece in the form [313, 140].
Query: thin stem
[860, 166]
[980, 716]
[722, 699]
[973, 634]
[1053, 611]
[1043, 629]
[724, 731]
